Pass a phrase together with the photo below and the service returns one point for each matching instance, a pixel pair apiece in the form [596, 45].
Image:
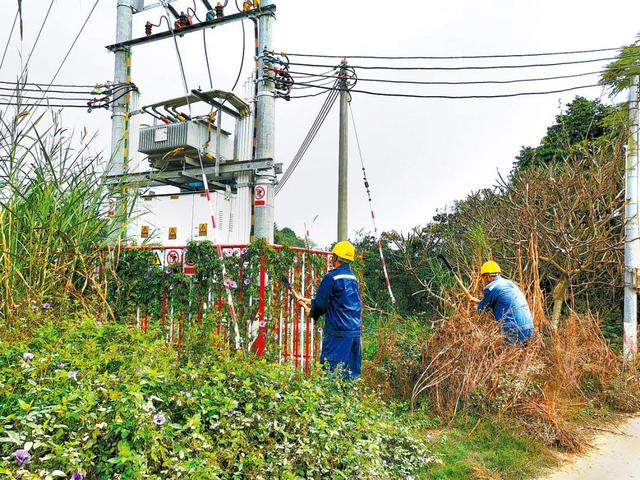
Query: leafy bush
[109, 402]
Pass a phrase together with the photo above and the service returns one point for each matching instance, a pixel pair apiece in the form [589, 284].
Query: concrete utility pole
[632, 243]
[122, 74]
[264, 195]
[343, 159]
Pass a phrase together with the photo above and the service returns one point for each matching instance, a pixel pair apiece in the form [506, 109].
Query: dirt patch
[614, 454]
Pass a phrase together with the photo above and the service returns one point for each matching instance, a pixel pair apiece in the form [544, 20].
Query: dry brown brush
[468, 365]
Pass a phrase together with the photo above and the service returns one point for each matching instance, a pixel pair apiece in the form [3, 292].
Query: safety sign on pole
[259, 195]
[173, 257]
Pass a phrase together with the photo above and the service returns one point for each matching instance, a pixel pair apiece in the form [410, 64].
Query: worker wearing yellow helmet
[338, 299]
[507, 302]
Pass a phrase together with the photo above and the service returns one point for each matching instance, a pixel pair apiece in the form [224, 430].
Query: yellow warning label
[144, 231]
[173, 233]
[156, 259]
[202, 230]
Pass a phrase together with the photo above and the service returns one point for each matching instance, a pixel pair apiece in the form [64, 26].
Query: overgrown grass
[54, 217]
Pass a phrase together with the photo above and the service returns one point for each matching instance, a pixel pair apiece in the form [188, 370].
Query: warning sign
[144, 231]
[173, 233]
[156, 259]
[259, 196]
[173, 257]
[202, 230]
[112, 208]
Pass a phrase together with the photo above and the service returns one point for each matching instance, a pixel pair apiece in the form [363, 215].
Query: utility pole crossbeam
[264, 194]
[343, 157]
[266, 10]
[632, 243]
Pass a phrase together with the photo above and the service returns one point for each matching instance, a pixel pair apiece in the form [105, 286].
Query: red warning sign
[172, 257]
[259, 196]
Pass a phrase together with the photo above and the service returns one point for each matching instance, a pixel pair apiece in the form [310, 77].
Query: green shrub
[109, 402]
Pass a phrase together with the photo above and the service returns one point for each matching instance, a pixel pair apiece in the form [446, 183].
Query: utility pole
[343, 158]
[632, 243]
[264, 194]
[122, 74]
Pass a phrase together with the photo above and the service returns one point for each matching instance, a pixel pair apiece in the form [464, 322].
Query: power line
[455, 57]
[75, 40]
[6, 47]
[438, 82]
[35, 43]
[62, 85]
[467, 67]
[313, 131]
[464, 97]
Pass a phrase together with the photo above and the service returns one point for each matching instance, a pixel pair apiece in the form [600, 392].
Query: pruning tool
[295, 294]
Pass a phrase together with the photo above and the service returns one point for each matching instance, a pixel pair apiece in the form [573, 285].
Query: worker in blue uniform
[508, 304]
[338, 299]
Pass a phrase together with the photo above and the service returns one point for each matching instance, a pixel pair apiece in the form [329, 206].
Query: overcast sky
[420, 154]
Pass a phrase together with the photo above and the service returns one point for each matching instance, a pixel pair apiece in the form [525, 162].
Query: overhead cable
[313, 131]
[6, 47]
[455, 57]
[439, 82]
[462, 97]
[468, 67]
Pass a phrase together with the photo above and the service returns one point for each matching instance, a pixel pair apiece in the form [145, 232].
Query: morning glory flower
[73, 375]
[228, 252]
[60, 365]
[22, 457]
[277, 396]
[35, 308]
[159, 419]
[228, 283]
[98, 323]
[27, 356]
[232, 413]
[167, 271]
[247, 281]
[77, 476]
[46, 306]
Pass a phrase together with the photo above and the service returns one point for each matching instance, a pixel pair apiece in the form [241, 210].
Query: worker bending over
[338, 298]
[507, 302]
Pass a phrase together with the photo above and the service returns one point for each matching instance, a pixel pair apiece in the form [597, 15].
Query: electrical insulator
[183, 21]
[246, 6]
[147, 28]
[219, 10]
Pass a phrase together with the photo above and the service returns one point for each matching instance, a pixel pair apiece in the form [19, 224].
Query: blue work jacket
[508, 304]
[339, 298]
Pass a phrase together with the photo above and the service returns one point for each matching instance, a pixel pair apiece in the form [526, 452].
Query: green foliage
[582, 122]
[485, 448]
[619, 74]
[286, 236]
[107, 401]
[53, 216]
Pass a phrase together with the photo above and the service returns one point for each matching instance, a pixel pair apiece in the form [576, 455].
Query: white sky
[421, 155]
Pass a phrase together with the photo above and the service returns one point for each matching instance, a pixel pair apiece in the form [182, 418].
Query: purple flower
[247, 281]
[60, 365]
[46, 306]
[277, 396]
[228, 283]
[98, 323]
[27, 356]
[22, 457]
[167, 271]
[232, 413]
[159, 419]
[34, 308]
[244, 250]
[73, 375]
[77, 476]
[228, 252]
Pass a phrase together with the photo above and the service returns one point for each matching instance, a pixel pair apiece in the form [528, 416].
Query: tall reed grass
[54, 217]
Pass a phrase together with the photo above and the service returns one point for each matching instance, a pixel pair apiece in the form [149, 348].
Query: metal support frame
[155, 178]
[265, 10]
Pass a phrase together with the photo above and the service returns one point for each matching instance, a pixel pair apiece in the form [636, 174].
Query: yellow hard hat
[490, 267]
[344, 250]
